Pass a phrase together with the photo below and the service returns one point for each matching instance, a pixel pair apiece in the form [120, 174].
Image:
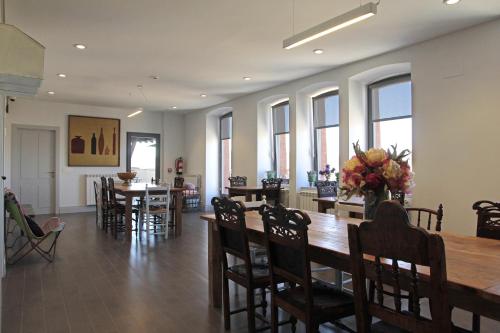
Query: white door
[33, 168]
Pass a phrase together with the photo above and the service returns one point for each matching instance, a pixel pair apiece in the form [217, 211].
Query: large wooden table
[135, 190]
[246, 191]
[473, 264]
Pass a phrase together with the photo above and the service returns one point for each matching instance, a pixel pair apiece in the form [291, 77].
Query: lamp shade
[21, 62]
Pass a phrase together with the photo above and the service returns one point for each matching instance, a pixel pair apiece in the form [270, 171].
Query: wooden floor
[98, 284]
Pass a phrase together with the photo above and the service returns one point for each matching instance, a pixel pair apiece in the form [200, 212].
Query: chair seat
[383, 327]
[328, 301]
[259, 271]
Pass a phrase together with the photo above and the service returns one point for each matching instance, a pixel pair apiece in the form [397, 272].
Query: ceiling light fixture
[203, 95]
[318, 51]
[155, 77]
[354, 16]
[174, 107]
[135, 113]
[80, 46]
[247, 78]
[61, 75]
[51, 92]
[451, 2]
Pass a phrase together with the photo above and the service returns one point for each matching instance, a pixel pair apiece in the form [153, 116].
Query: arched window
[326, 130]
[390, 113]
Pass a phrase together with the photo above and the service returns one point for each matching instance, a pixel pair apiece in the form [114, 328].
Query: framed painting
[93, 141]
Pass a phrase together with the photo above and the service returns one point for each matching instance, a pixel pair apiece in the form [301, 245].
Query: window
[226, 132]
[326, 130]
[390, 113]
[281, 136]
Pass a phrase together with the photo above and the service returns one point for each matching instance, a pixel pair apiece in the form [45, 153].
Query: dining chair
[236, 181]
[271, 188]
[326, 188]
[386, 252]
[287, 245]
[233, 240]
[116, 210]
[425, 217]
[155, 213]
[105, 205]
[97, 203]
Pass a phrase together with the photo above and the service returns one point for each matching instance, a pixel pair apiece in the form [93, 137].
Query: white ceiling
[207, 46]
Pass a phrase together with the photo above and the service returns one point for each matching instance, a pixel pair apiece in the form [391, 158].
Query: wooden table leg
[321, 207]
[248, 197]
[128, 217]
[178, 213]
[214, 268]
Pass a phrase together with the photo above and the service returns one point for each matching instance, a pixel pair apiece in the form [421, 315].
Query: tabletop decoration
[312, 177]
[327, 172]
[373, 173]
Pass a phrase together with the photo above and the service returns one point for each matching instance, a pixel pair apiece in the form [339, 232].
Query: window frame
[382, 83]
[221, 118]
[334, 92]
[275, 160]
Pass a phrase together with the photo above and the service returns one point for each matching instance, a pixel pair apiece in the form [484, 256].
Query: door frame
[158, 150]
[57, 156]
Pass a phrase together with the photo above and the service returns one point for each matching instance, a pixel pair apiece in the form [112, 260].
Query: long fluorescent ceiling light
[354, 16]
[134, 114]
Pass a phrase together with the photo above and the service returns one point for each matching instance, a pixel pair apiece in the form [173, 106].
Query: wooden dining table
[246, 191]
[138, 190]
[473, 264]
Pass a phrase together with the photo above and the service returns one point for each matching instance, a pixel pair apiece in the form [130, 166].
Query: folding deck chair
[33, 242]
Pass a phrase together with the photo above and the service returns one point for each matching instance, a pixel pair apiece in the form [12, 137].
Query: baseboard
[76, 209]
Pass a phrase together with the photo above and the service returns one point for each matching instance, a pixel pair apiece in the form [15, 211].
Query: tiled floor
[98, 284]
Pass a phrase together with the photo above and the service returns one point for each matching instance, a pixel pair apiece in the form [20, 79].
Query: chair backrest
[488, 219]
[160, 198]
[388, 241]
[272, 189]
[424, 217]
[111, 192]
[179, 182]
[233, 239]
[236, 181]
[287, 247]
[104, 191]
[326, 188]
[15, 211]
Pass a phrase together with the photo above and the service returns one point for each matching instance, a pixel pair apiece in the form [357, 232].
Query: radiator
[305, 200]
[89, 185]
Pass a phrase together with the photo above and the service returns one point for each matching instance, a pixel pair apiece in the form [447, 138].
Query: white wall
[71, 189]
[456, 119]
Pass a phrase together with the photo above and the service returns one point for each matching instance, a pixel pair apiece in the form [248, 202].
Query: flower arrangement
[376, 170]
[327, 171]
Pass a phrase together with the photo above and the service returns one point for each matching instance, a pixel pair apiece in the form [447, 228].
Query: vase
[372, 200]
[93, 144]
[101, 142]
[77, 145]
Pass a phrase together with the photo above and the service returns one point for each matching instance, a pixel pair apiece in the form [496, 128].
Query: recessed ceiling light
[51, 92]
[80, 46]
[247, 78]
[135, 113]
[174, 107]
[61, 75]
[155, 77]
[139, 86]
[203, 95]
[451, 2]
[318, 51]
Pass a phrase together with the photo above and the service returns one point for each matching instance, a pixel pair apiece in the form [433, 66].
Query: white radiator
[305, 200]
[89, 185]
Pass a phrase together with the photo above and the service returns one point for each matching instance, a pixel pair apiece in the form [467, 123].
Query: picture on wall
[93, 141]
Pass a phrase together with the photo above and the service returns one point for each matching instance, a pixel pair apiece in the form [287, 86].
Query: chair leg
[225, 300]
[476, 323]
[264, 301]
[251, 310]
[293, 321]
[311, 327]
[274, 317]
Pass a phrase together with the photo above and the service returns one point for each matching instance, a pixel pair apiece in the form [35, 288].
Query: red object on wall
[179, 166]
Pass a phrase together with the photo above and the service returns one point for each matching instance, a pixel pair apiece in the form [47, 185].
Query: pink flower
[373, 180]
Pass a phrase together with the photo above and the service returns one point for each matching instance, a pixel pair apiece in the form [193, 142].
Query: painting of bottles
[93, 141]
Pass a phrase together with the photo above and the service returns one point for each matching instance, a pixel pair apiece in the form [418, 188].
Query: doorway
[143, 155]
[34, 168]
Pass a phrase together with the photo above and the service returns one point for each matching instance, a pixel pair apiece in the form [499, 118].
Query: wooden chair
[116, 210]
[430, 213]
[33, 242]
[233, 240]
[389, 240]
[155, 213]
[488, 219]
[326, 188]
[97, 203]
[288, 253]
[236, 181]
[105, 206]
[271, 188]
